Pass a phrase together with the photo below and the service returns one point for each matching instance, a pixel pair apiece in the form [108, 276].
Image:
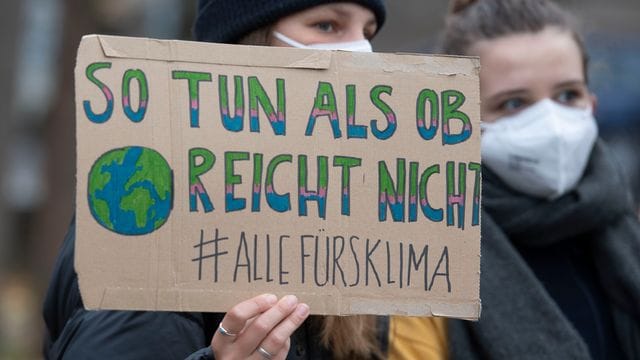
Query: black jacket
[76, 333]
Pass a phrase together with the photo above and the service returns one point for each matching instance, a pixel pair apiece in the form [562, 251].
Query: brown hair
[348, 337]
[261, 36]
[470, 21]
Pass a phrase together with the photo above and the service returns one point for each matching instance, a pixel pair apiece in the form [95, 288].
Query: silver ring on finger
[225, 332]
[265, 354]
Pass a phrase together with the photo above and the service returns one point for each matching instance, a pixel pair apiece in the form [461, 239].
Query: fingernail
[270, 299]
[290, 301]
[302, 310]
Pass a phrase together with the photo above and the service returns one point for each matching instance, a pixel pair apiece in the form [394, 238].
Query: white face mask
[359, 45]
[541, 151]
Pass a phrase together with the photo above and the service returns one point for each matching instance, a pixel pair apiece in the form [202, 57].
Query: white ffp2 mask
[541, 151]
[358, 45]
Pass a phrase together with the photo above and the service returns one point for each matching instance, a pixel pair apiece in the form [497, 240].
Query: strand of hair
[457, 6]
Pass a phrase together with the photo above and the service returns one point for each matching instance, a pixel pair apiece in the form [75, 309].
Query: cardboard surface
[210, 173]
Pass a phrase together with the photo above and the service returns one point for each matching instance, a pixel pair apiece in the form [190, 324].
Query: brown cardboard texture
[209, 173]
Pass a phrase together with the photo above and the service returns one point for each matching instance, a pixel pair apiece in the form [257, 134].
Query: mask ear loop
[289, 41]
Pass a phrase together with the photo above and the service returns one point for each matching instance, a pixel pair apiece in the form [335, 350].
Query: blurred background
[39, 39]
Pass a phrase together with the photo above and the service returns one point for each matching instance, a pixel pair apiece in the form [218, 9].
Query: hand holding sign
[259, 327]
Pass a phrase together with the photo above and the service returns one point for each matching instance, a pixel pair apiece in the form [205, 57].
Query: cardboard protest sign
[209, 173]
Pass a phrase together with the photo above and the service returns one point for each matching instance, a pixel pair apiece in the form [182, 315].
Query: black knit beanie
[227, 21]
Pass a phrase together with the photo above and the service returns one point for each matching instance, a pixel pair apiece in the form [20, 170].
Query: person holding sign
[560, 241]
[261, 327]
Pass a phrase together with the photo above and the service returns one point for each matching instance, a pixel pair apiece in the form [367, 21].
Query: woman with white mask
[560, 273]
[263, 327]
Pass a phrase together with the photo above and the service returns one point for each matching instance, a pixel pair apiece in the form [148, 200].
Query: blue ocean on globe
[130, 190]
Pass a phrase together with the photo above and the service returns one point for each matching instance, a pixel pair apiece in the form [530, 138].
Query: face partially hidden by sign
[330, 23]
[522, 69]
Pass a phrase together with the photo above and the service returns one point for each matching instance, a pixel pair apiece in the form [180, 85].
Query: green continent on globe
[130, 190]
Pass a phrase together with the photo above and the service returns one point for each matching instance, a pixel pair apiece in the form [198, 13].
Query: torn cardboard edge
[260, 56]
[333, 303]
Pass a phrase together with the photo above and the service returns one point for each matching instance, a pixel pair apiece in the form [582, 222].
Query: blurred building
[37, 139]
[39, 39]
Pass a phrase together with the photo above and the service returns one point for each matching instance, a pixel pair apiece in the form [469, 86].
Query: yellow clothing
[418, 338]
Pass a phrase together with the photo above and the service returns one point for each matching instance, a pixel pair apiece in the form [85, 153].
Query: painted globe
[131, 190]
